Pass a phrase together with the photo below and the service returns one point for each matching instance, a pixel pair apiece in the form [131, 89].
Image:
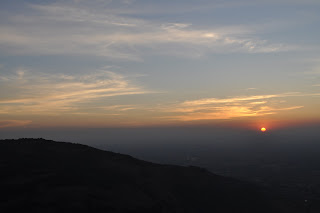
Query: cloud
[13, 123]
[118, 107]
[228, 112]
[81, 29]
[233, 107]
[40, 93]
[237, 99]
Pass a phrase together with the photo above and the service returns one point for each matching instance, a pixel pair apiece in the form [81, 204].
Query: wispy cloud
[234, 107]
[77, 29]
[237, 99]
[13, 123]
[118, 108]
[228, 112]
[45, 93]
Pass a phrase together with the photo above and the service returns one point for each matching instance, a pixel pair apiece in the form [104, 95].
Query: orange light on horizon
[263, 129]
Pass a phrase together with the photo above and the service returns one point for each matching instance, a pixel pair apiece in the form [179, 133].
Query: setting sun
[263, 129]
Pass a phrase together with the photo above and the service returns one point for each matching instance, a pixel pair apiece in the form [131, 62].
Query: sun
[263, 129]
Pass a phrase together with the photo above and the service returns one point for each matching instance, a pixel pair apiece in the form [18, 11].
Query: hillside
[38, 175]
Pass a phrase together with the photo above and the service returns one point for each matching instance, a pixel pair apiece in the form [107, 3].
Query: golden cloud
[39, 93]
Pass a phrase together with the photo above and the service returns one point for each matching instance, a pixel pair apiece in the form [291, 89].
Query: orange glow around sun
[263, 129]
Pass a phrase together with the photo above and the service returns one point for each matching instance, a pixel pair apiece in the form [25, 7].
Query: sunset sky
[129, 63]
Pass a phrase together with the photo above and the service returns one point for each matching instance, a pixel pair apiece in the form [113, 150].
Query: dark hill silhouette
[38, 175]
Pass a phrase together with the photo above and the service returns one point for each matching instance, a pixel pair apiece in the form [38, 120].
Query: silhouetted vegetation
[39, 175]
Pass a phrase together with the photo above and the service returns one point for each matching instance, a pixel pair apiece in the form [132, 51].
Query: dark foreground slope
[46, 176]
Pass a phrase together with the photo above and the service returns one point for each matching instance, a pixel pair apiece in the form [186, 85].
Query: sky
[139, 63]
